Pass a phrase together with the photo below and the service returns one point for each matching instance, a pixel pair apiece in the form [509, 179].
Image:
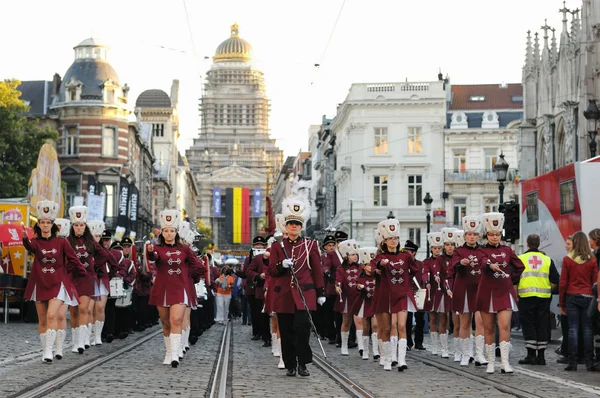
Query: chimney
[55, 84]
[175, 93]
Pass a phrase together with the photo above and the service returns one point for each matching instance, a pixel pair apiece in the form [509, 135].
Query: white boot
[504, 350]
[471, 344]
[50, 338]
[181, 345]
[375, 345]
[186, 341]
[402, 355]
[275, 348]
[387, 355]
[464, 360]
[479, 357]
[381, 352]
[81, 338]
[93, 338]
[444, 344]
[59, 343]
[88, 336]
[345, 336]
[175, 340]
[167, 360]
[394, 349]
[281, 364]
[365, 343]
[359, 341]
[75, 339]
[434, 342]
[98, 332]
[490, 350]
[43, 343]
[457, 349]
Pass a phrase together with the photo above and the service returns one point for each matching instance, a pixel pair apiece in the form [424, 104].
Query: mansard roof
[487, 96]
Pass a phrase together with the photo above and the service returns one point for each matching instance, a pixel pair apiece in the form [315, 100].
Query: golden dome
[233, 49]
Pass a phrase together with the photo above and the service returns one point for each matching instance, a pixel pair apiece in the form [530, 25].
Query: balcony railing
[475, 175]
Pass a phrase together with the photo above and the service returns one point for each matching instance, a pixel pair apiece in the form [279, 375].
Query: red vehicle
[559, 203]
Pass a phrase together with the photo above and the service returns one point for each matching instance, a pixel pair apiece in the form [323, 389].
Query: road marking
[557, 380]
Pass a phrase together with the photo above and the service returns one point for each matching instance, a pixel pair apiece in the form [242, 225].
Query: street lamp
[501, 170]
[428, 200]
[592, 114]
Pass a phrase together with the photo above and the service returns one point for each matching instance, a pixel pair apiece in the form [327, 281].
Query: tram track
[346, 383]
[219, 386]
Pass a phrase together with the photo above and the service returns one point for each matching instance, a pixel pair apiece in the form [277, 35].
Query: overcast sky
[473, 41]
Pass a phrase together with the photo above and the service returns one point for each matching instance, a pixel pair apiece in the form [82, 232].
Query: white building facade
[389, 146]
[482, 123]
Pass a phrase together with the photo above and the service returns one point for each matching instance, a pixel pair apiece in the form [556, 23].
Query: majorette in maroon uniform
[363, 305]
[170, 290]
[497, 292]
[394, 292]
[346, 286]
[48, 280]
[301, 256]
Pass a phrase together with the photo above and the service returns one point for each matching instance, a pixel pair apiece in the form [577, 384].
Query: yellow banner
[237, 215]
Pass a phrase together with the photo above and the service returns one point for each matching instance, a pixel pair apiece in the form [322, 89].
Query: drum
[201, 292]
[125, 301]
[116, 288]
[420, 298]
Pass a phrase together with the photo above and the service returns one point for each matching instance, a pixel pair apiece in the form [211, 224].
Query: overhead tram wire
[318, 65]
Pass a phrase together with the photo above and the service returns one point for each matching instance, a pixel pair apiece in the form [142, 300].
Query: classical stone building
[234, 148]
[482, 122]
[560, 77]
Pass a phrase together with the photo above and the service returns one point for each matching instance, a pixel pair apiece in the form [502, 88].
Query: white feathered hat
[449, 235]
[378, 237]
[184, 228]
[169, 218]
[472, 224]
[280, 222]
[64, 225]
[389, 228]
[96, 227]
[189, 237]
[47, 210]
[367, 254]
[296, 207]
[493, 222]
[78, 214]
[435, 239]
[348, 247]
[459, 237]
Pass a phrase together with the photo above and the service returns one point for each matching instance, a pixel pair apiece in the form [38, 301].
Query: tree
[205, 232]
[20, 141]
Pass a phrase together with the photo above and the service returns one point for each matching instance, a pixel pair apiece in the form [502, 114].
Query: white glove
[321, 300]
[287, 263]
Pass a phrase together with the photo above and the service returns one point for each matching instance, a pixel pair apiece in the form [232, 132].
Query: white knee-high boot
[464, 360]
[504, 355]
[59, 343]
[50, 338]
[43, 343]
[387, 355]
[457, 348]
[88, 336]
[274, 345]
[381, 352]
[345, 336]
[98, 332]
[81, 338]
[359, 341]
[402, 344]
[394, 349]
[444, 344]
[490, 351]
[375, 345]
[167, 360]
[175, 340]
[479, 357]
[434, 342]
[365, 343]
[75, 339]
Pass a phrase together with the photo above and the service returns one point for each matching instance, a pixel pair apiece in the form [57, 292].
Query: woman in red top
[434, 277]
[48, 281]
[394, 293]
[170, 290]
[363, 306]
[579, 273]
[346, 280]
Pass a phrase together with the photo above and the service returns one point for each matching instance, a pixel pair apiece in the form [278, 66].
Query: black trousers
[109, 317]
[124, 318]
[255, 313]
[419, 328]
[338, 318]
[143, 311]
[534, 314]
[266, 327]
[295, 337]
[329, 318]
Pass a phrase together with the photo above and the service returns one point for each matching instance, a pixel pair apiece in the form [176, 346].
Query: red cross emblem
[535, 262]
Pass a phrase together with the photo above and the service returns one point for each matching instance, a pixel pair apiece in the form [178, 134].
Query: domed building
[234, 148]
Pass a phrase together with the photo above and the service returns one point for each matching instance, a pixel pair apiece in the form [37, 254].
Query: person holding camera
[224, 286]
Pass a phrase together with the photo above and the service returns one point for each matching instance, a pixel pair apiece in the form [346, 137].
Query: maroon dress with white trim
[394, 290]
[86, 285]
[429, 271]
[496, 289]
[363, 305]
[54, 258]
[346, 277]
[464, 279]
[331, 262]
[108, 269]
[172, 265]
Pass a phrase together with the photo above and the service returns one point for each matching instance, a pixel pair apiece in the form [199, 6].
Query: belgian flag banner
[237, 204]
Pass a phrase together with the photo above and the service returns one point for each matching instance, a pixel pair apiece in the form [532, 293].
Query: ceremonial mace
[278, 236]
